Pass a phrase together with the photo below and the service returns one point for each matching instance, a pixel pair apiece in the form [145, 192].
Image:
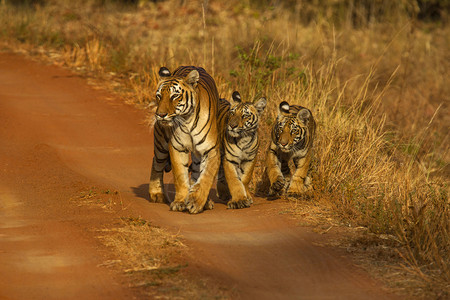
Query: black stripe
[180, 150]
[233, 162]
[207, 122]
[160, 160]
[197, 115]
[206, 152]
[161, 149]
[205, 135]
[229, 152]
[177, 139]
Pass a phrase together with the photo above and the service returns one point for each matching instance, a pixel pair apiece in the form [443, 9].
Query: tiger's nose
[161, 115]
[283, 142]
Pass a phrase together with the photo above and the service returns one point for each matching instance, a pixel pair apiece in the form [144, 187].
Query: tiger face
[244, 116]
[175, 96]
[291, 130]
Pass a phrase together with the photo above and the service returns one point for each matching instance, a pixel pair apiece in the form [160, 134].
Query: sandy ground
[58, 136]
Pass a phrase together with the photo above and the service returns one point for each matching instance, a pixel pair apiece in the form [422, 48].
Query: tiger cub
[239, 148]
[292, 138]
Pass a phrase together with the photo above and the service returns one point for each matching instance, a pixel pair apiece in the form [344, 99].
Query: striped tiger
[292, 139]
[239, 148]
[186, 122]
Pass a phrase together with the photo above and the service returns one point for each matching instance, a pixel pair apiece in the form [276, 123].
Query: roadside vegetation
[151, 259]
[374, 73]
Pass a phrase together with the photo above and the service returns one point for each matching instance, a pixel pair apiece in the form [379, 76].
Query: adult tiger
[292, 138]
[186, 122]
[239, 148]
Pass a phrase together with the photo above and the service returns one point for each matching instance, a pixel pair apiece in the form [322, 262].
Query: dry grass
[143, 252]
[110, 201]
[144, 247]
[374, 75]
[154, 259]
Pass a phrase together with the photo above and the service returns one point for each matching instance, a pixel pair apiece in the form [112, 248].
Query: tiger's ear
[283, 109]
[163, 72]
[236, 97]
[304, 115]
[260, 104]
[192, 78]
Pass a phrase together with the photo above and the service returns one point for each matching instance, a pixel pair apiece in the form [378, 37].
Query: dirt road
[57, 135]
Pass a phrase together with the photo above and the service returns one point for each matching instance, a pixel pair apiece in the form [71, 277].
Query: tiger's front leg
[300, 181]
[198, 194]
[156, 185]
[161, 162]
[180, 161]
[273, 169]
[247, 173]
[238, 189]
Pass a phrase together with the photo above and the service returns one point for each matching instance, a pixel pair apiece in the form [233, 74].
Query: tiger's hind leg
[194, 168]
[223, 192]
[262, 187]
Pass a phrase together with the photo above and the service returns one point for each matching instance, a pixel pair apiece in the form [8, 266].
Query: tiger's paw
[194, 208]
[297, 188]
[177, 206]
[243, 203]
[193, 205]
[295, 191]
[298, 192]
[209, 204]
[277, 187]
[157, 197]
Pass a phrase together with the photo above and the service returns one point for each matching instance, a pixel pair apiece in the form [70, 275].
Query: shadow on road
[141, 191]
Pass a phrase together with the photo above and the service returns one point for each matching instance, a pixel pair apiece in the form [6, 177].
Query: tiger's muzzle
[164, 119]
[284, 144]
[234, 131]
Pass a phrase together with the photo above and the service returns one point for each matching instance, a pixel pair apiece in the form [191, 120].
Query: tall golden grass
[374, 75]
